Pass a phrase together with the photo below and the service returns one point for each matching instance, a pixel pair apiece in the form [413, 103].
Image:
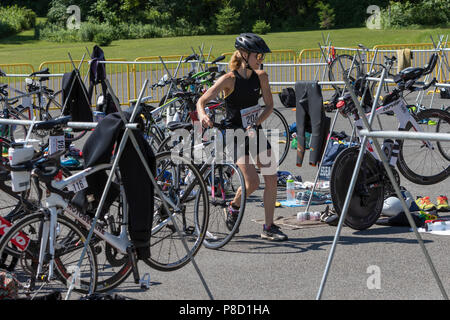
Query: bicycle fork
[48, 240]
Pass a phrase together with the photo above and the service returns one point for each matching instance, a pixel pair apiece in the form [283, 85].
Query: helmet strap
[247, 65]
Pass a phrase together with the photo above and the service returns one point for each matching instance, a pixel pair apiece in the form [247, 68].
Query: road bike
[223, 178]
[52, 239]
[420, 161]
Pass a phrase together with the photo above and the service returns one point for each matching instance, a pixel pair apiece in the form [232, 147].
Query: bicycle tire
[221, 192]
[445, 150]
[153, 141]
[14, 132]
[277, 121]
[415, 153]
[167, 250]
[69, 246]
[335, 71]
[368, 196]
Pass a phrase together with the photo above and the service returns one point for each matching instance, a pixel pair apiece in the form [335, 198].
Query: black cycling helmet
[251, 42]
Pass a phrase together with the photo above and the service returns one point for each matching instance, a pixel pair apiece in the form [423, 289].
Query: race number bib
[250, 115]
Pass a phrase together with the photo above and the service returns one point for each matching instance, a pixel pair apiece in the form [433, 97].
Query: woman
[243, 87]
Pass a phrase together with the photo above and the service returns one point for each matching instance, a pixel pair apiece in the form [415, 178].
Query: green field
[23, 48]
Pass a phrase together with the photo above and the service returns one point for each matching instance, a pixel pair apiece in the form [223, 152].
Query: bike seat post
[131, 250]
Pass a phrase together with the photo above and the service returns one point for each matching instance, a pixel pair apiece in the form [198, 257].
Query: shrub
[326, 15]
[228, 20]
[261, 27]
[104, 35]
[103, 39]
[15, 19]
[430, 13]
[57, 14]
[55, 33]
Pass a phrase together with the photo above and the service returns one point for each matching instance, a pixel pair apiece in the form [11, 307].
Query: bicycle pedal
[145, 281]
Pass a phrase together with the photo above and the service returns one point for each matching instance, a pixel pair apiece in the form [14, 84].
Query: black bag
[287, 97]
[444, 93]
[75, 97]
[107, 105]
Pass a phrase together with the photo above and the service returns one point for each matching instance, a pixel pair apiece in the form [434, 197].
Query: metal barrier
[283, 66]
[118, 74]
[19, 69]
[152, 68]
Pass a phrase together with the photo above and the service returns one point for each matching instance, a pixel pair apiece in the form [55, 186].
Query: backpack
[287, 97]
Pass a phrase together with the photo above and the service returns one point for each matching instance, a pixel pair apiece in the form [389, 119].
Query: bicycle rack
[331, 129]
[367, 133]
[130, 135]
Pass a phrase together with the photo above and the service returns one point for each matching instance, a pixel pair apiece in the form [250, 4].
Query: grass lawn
[23, 48]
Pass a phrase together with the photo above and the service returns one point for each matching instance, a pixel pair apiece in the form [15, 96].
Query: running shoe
[317, 198]
[273, 233]
[231, 215]
[425, 204]
[442, 203]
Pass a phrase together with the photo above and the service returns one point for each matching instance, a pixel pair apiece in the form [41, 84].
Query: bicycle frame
[399, 107]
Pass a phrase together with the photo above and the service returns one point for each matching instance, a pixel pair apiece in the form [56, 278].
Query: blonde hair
[235, 61]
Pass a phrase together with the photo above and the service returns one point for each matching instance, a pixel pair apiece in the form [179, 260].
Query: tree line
[113, 19]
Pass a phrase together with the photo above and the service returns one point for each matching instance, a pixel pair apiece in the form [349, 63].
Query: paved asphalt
[380, 263]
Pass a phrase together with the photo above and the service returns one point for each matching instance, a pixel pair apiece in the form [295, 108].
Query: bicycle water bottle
[290, 189]
[17, 154]
[304, 216]
[437, 225]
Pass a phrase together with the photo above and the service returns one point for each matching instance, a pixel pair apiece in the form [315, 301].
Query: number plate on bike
[78, 185]
[56, 143]
[250, 115]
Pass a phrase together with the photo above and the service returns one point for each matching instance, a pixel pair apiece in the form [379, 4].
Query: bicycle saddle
[410, 73]
[174, 125]
[414, 73]
[43, 71]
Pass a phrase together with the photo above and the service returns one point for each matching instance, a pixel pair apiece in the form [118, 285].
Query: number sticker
[78, 185]
[56, 143]
[250, 115]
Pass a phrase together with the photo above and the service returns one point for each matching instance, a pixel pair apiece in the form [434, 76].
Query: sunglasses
[260, 56]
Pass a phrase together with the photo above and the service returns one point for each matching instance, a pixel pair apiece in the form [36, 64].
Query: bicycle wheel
[343, 64]
[442, 127]
[222, 185]
[22, 244]
[181, 182]
[368, 196]
[153, 141]
[13, 132]
[425, 162]
[276, 130]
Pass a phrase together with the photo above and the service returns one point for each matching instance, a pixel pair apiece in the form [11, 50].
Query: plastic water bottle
[189, 177]
[290, 189]
[437, 225]
[303, 216]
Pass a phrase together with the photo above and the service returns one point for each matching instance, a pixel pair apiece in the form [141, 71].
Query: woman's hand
[252, 131]
[205, 121]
